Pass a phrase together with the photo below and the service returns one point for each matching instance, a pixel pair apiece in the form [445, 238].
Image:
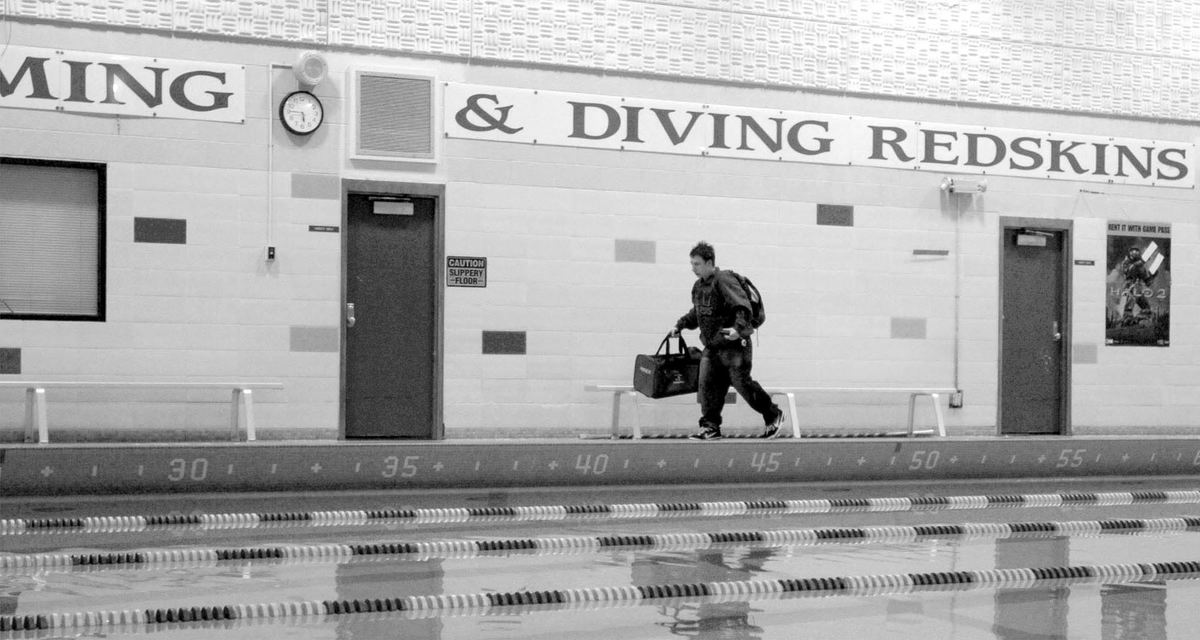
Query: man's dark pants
[725, 365]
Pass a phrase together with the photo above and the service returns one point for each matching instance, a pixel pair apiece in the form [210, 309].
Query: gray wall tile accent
[635, 251]
[160, 230]
[504, 342]
[1084, 353]
[323, 339]
[316, 185]
[837, 215]
[10, 360]
[908, 328]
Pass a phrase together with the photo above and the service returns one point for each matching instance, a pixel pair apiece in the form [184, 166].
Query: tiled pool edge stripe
[622, 595]
[177, 558]
[101, 524]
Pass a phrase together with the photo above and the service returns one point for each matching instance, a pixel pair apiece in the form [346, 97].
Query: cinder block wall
[210, 308]
[588, 249]
[848, 305]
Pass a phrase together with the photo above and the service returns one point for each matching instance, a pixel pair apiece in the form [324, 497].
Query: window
[51, 240]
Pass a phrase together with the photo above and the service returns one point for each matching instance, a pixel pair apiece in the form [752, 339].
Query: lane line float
[557, 545]
[869, 585]
[112, 524]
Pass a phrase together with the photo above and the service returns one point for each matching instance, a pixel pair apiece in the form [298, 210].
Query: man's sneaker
[772, 429]
[706, 433]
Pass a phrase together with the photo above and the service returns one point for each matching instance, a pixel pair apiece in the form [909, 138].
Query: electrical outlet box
[270, 253]
[956, 400]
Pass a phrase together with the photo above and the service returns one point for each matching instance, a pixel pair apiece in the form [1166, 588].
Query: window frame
[101, 170]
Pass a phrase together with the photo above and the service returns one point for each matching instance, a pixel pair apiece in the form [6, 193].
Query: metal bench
[37, 429]
[933, 393]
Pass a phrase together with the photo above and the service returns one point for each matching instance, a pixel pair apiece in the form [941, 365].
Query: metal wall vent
[395, 116]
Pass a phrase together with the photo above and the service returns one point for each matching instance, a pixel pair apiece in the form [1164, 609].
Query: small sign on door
[464, 271]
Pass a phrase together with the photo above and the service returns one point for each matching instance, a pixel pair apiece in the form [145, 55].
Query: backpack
[758, 313]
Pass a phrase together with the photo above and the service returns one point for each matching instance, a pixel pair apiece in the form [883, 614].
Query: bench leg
[637, 419]
[795, 416]
[243, 410]
[792, 414]
[912, 411]
[35, 416]
[616, 414]
[937, 411]
[934, 398]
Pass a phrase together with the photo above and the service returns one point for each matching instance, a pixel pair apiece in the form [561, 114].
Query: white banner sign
[634, 124]
[52, 79]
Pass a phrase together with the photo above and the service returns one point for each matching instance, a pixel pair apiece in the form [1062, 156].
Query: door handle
[1057, 333]
[349, 314]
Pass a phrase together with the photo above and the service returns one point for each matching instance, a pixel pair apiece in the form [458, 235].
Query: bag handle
[666, 344]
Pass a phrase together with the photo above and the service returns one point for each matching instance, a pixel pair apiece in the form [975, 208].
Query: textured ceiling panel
[418, 26]
[291, 20]
[1120, 57]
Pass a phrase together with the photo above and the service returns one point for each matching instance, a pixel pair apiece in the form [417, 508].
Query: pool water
[879, 556]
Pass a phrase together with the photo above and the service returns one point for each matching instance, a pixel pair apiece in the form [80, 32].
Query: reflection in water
[368, 581]
[8, 602]
[705, 620]
[1032, 614]
[1133, 611]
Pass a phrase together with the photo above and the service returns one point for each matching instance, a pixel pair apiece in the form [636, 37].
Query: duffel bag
[664, 374]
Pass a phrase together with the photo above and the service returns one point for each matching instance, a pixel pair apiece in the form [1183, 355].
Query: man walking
[721, 310]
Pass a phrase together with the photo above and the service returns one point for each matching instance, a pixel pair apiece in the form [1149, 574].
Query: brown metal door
[1033, 327]
[390, 317]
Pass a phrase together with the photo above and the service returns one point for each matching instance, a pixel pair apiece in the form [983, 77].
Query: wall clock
[301, 113]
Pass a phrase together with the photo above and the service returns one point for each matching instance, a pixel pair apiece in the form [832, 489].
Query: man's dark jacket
[718, 302]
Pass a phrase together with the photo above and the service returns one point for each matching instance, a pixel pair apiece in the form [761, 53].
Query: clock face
[301, 112]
